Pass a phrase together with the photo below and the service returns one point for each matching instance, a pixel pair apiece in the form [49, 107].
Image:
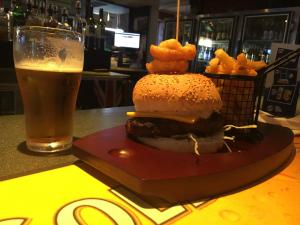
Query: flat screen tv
[127, 40]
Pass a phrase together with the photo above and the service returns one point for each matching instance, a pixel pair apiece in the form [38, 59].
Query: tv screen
[127, 40]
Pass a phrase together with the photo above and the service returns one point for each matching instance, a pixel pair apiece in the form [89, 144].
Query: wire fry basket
[241, 94]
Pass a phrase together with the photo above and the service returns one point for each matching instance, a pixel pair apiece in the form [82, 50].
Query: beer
[48, 64]
[49, 100]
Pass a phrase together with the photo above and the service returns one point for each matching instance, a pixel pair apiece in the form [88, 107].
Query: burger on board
[175, 110]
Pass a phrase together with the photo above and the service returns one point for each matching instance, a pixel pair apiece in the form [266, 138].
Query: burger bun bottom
[209, 144]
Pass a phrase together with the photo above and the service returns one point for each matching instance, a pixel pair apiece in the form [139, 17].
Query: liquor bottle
[33, 18]
[78, 21]
[91, 27]
[227, 31]
[64, 20]
[28, 8]
[224, 31]
[271, 31]
[276, 31]
[42, 11]
[205, 54]
[265, 30]
[208, 54]
[55, 13]
[101, 30]
[219, 32]
[213, 35]
[18, 14]
[201, 53]
[4, 25]
[50, 21]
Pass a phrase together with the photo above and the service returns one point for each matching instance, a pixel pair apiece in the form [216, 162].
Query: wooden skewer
[177, 19]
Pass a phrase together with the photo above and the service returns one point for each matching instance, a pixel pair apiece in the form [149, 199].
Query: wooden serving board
[179, 177]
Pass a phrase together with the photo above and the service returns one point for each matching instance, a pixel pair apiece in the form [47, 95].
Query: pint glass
[48, 64]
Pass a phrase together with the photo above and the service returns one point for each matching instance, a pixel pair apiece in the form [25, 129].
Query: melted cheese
[185, 118]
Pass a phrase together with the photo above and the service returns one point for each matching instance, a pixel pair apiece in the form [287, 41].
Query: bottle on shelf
[208, 54]
[205, 53]
[90, 36]
[18, 13]
[253, 31]
[101, 30]
[50, 20]
[64, 20]
[218, 31]
[224, 31]
[276, 31]
[42, 11]
[267, 58]
[78, 23]
[207, 35]
[228, 31]
[271, 31]
[281, 30]
[213, 35]
[55, 14]
[212, 52]
[4, 25]
[28, 8]
[265, 34]
[201, 53]
[33, 18]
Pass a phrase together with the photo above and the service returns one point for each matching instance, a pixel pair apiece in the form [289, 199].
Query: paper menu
[280, 98]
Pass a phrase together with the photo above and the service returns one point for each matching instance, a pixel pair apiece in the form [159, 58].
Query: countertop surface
[107, 75]
[126, 69]
[16, 160]
[76, 192]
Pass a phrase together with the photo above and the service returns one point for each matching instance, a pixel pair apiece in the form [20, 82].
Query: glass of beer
[48, 64]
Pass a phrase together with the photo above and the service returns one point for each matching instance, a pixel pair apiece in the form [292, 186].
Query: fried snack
[189, 51]
[213, 65]
[225, 60]
[157, 66]
[170, 57]
[211, 69]
[214, 62]
[256, 65]
[228, 65]
[242, 59]
[164, 54]
[170, 44]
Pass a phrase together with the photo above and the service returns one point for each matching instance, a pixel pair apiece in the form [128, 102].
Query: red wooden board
[184, 176]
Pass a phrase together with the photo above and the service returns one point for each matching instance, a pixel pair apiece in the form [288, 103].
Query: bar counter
[274, 201]
[99, 89]
[15, 160]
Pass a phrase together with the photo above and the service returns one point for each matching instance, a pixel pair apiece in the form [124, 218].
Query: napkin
[292, 123]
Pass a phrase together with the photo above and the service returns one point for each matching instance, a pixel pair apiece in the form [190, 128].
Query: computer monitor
[127, 40]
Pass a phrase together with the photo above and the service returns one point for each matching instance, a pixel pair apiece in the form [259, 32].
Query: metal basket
[241, 96]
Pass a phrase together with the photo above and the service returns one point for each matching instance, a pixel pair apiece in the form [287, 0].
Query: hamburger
[177, 113]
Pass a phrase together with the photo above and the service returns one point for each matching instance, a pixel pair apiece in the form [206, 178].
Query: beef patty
[158, 127]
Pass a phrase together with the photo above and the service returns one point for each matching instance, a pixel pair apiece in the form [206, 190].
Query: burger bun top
[187, 94]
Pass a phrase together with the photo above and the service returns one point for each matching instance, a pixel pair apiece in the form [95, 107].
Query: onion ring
[157, 66]
[187, 52]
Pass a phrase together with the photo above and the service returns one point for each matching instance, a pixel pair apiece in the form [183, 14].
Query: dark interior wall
[135, 13]
[139, 23]
[220, 6]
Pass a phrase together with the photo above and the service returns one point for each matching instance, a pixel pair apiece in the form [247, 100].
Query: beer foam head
[46, 49]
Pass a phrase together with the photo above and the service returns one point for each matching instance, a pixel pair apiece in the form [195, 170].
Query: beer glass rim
[50, 30]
